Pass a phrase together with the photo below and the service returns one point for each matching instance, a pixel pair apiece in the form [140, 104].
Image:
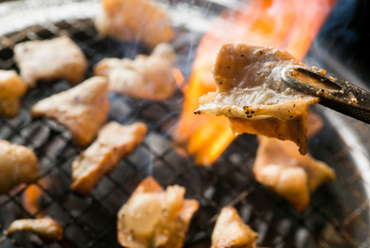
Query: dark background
[346, 37]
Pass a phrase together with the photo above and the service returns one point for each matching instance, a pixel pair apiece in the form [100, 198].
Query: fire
[31, 197]
[180, 80]
[285, 24]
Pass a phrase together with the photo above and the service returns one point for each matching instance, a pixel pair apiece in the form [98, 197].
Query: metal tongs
[334, 93]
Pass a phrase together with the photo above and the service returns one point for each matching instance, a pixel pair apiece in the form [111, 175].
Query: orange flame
[285, 24]
[180, 80]
[31, 197]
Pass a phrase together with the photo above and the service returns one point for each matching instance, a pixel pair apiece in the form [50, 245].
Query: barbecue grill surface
[338, 215]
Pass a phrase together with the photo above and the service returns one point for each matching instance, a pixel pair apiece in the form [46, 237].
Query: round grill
[338, 215]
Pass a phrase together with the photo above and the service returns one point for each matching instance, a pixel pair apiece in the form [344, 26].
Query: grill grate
[338, 215]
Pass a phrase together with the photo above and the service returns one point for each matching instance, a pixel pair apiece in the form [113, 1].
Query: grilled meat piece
[155, 218]
[46, 228]
[280, 167]
[148, 77]
[82, 109]
[252, 93]
[12, 89]
[230, 231]
[114, 142]
[50, 59]
[18, 165]
[291, 175]
[135, 20]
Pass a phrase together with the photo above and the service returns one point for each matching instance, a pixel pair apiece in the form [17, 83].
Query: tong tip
[334, 92]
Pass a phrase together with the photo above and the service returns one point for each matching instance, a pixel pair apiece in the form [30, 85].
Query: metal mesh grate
[338, 215]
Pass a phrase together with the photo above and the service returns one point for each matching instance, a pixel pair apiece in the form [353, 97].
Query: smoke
[338, 34]
[143, 160]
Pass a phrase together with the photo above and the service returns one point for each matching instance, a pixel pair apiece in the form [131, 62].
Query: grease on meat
[18, 165]
[82, 109]
[148, 77]
[114, 142]
[135, 20]
[46, 228]
[230, 231]
[252, 93]
[12, 89]
[49, 60]
[153, 217]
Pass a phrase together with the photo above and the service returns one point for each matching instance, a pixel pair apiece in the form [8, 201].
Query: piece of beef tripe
[253, 95]
[18, 165]
[140, 21]
[47, 60]
[153, 217]
[82, 109]
[293, 176]
[46, 228]
[147, 77]
[230, 231]
[114, 142]
[12, 89]
[280, 167]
